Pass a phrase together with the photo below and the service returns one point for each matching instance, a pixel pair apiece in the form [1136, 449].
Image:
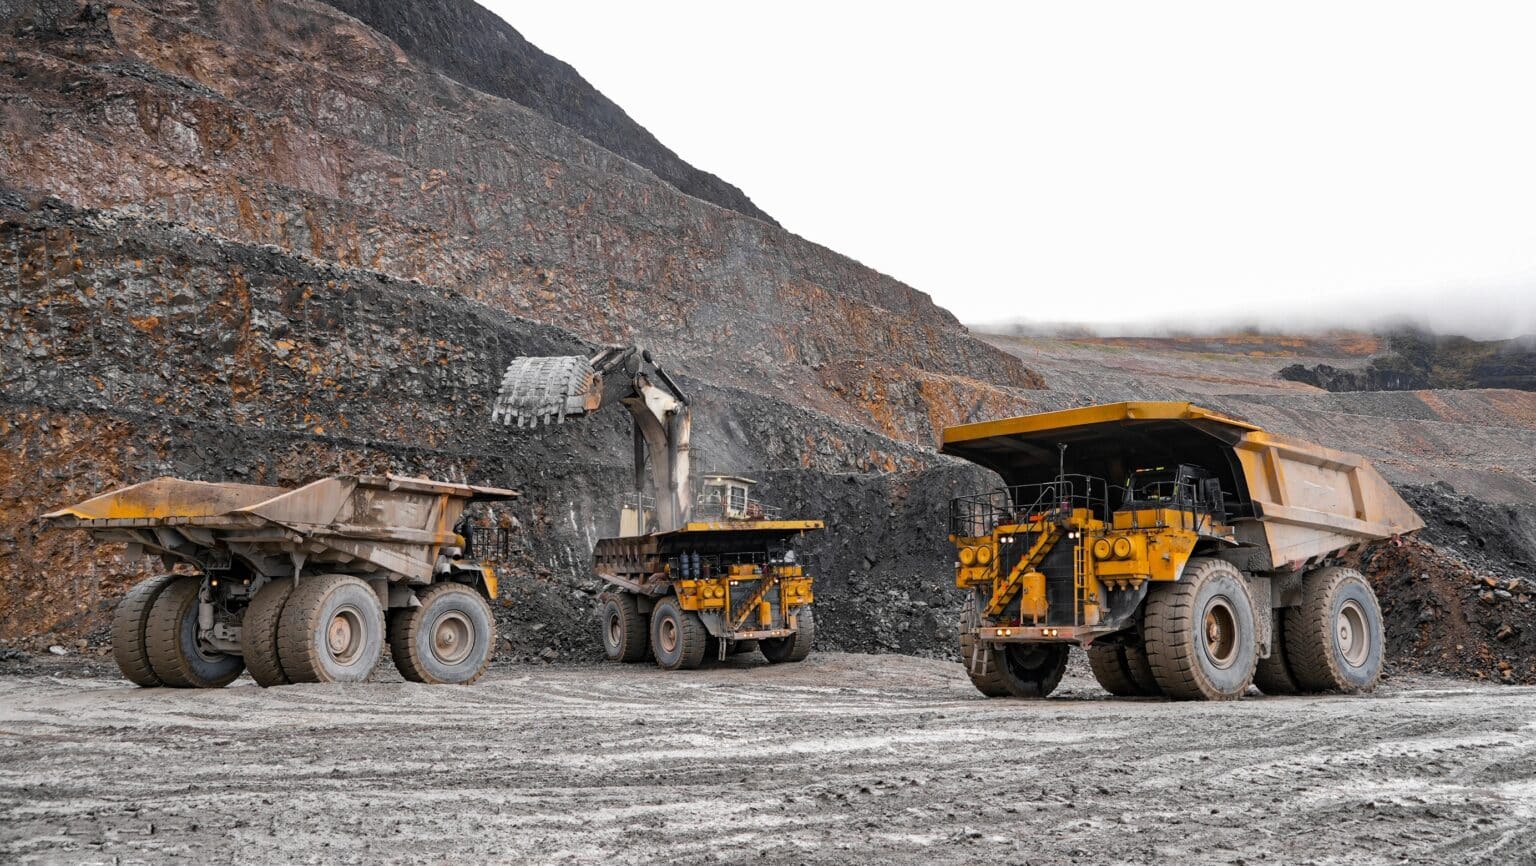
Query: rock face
[1420, 360]
[1375, 376]
[148, 348]
[267, 242]
[473, 46]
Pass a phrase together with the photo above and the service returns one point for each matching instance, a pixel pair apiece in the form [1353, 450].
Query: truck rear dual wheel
[1273, 675]
[331, 630]
[1123, 670]
[1199, 633]
[176, 656]
[626, 637]
[129, 621]
[1334, 640]
[258, 633]
[678, 636]
[795, 647]
[447, 640]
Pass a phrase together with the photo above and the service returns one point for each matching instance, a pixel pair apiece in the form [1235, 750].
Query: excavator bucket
[537, 391]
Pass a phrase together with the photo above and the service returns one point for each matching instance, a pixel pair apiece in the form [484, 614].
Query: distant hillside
[1416, 360]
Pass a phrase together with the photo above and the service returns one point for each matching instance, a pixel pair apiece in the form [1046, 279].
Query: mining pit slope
[266, 242]
[269, 242]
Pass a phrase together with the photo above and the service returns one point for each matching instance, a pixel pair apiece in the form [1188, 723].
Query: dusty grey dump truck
[296, 585]
[1190, 553]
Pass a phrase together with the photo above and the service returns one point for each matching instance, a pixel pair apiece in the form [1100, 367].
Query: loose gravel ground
[845, 758]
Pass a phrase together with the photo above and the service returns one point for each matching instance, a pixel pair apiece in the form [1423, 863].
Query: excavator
[692, 574]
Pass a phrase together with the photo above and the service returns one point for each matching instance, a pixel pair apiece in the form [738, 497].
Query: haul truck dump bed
[300, 585]
[1190, 552]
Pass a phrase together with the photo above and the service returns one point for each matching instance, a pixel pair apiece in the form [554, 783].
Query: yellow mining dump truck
[1190, 553]
[728, 580]
[692, 573]
[300, 585]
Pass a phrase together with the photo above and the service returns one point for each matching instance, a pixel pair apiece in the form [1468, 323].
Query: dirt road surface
[844, 758]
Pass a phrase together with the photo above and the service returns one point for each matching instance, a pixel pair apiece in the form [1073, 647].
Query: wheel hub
[667, 635]
[344, 635]
[1220, 631]
[1353, 638]
[452, 638]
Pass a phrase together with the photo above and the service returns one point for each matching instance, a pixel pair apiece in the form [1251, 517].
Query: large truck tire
[626, 636]
[170, 638]
[448, 640]
[331, 630]
[1029, 671]
[979, 660]
[795, 647]
[258, 633]
[677, 636]
[129, 620]
[1335, 638]
[1140, 666]
[1199, 633]
[1123, 670]
[1273, 675]
[741, 647]
[1032, 670]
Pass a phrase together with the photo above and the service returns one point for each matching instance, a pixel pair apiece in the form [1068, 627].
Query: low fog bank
[1483, 326]
[1480, 312]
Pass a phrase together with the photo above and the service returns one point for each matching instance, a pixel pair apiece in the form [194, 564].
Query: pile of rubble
[1445, 616]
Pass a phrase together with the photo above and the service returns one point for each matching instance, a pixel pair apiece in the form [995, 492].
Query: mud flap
[1262, 591]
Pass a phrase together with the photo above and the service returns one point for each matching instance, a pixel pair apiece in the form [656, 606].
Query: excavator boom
[543, 390]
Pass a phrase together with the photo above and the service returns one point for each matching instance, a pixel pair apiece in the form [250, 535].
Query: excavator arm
[536, 391]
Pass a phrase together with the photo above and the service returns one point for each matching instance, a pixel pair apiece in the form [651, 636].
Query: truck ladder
[1009, 587]
[768, 582]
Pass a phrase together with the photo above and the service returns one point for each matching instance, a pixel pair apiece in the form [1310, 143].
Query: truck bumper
[1080, 635]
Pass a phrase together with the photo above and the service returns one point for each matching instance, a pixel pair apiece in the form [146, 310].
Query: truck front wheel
[331, 630]
[795, 647]
[1334, 638]
[447, 640]
[1199, 633]
[677, 636]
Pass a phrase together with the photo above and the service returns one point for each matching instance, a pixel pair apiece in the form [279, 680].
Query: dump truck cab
[1172, 542]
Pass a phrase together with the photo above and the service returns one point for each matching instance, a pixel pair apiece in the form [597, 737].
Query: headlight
[984, 554]
[1122, 547]
[967, 556]
[1102, 549]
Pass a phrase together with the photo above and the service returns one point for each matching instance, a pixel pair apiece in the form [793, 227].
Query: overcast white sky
[1285, 164]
